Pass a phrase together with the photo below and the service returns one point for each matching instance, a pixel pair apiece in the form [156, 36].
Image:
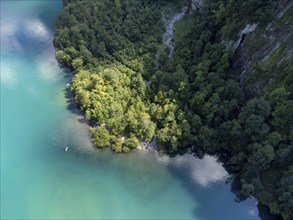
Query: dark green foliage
[285, 194]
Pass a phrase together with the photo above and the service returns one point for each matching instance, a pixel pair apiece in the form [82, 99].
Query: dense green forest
[131, 91]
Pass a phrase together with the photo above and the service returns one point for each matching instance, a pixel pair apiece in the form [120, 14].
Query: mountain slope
[265, 57]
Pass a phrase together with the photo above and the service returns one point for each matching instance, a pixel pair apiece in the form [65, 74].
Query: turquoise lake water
[40, 181]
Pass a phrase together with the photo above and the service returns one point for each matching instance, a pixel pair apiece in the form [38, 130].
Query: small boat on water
[66, 149]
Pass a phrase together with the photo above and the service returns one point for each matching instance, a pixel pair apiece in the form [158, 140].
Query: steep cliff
[265, 56]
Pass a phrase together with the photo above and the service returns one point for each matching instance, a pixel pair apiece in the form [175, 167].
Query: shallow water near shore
[39, 180]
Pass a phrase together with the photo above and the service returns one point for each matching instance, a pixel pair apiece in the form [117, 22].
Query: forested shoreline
[190, 101]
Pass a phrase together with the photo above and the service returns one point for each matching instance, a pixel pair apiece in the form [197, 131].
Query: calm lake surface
[40, 181]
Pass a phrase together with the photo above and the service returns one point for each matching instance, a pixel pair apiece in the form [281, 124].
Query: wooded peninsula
[222, 91]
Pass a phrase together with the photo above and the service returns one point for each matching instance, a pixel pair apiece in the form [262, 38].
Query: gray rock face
[196, 4]
[263, 55]
[170, 28]
[247, 30]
